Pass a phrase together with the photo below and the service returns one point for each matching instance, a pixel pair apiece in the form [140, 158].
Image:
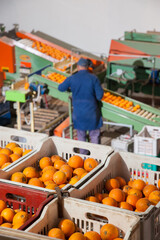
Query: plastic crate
[26, 140]
[65, 148]
[86, 216]
[127, 165]
[147, 142]
[123, 143]
[27, 200]
[153, 131]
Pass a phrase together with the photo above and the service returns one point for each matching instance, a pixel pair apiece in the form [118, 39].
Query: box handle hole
[18, 139]
[79, 150]
[15, 197]
[96, 217]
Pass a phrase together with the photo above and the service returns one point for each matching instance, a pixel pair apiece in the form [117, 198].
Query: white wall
[87, 24]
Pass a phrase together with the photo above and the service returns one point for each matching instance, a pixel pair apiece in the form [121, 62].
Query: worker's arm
[98, 90]
[65, 85]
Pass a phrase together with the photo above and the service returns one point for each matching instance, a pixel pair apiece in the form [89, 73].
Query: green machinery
[116, 64]
[134, 63]
[147, 115]
[28, 59]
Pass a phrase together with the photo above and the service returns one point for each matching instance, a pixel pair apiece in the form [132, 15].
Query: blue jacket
[86, 94]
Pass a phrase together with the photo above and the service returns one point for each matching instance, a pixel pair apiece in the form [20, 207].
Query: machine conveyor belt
[26, 42]
[145, 115]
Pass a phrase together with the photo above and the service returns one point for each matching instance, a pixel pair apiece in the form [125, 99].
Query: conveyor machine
[134, 64]
[143, 115]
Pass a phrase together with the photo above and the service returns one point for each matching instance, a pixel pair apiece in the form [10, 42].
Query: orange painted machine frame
[7, 56]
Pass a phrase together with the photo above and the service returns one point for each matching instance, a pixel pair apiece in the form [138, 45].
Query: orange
[44, 162]
[109, 201]
[51, 186]
[148, 189]
[14, 157]
[30, 172]
[92, 199]
[8, 225]
[79, 171]
[17, 225]
[19, 177]
[36, 182]
[104, 195]
[99, 196]
[62, 186]
[130, 183]
[154, 197]
[139, 184]
[4, 159]
[56, 233]
[122, 181]
[26, 151]
[17, 210]
[59, 177]
[92, 235]
[18, 150]
[77, 236]
[48, 175]
[20, 217]
[58, 164]
[67, 170]
[5, 165]
[3, 205]
[48, 168]
[55, 158]
[126, 189]
[117, 194]
[142, 204]
[74, 179]
[125, 205]
[111, 184]
[12, 145]
[109, 232]
[90, 164]
[84, 174]
[48, 182]
[132, 199]
[6, 151]
[75, 162]
[118, 238]
[8, 214]
[134, 191]
[67, 226]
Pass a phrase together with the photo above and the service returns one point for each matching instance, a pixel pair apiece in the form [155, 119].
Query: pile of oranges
[50, 51]
[136, 195]
[56, 77]
[120, 102]
[10, 153]
[68, 230]
[54, 172]
[12, 218]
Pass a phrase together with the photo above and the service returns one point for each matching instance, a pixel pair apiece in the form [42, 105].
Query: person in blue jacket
[86, 95]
